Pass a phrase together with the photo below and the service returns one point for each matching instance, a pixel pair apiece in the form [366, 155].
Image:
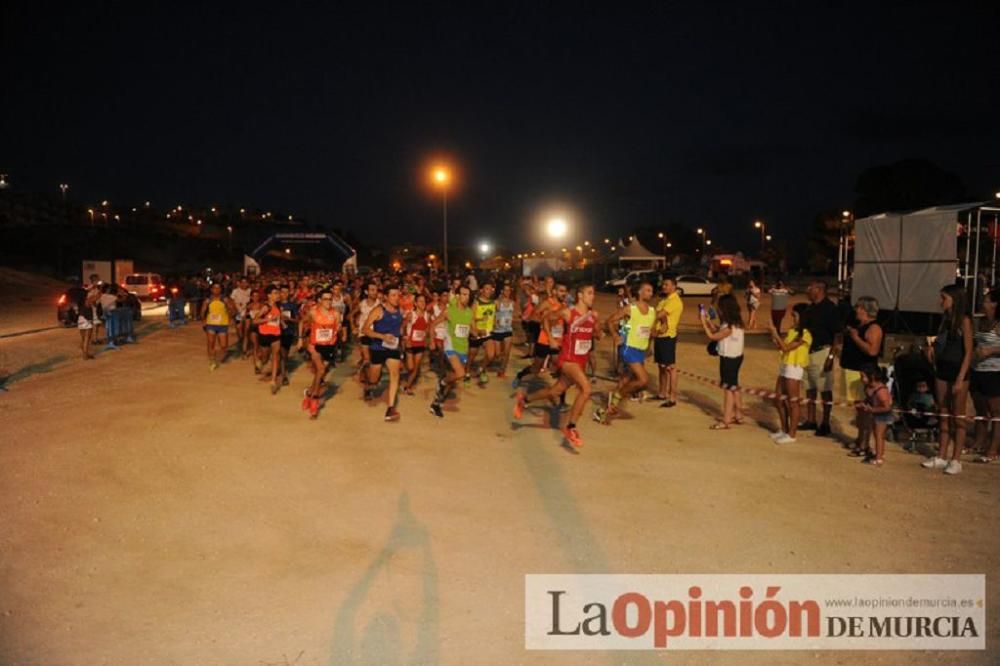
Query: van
[148, 286]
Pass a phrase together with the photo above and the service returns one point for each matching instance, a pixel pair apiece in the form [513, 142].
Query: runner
[341, 304]
[384, 329]
[483, 317]
[582, 329]
[362, 309]
[503, 328]
[417, 323]
[289, 333]
[458, 316]
[324, 323]
[437, 343]
[550, 332]
[254, 310]
[641, 316]
[269, 325]
[240, 296]
[216, 312]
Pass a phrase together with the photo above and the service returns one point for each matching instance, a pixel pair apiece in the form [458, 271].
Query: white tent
[903, 259]
[635, 251]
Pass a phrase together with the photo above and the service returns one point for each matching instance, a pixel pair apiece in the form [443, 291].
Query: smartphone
[701, 308]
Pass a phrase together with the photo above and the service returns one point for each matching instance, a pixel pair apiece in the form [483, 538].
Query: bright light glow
[660, 235]
[556, 227]
[432, 257]
[587, 243]
[229, 229]
[758, 224]
[708, 242]
[441, 175]
[607, 240]
[484, 248]
[700, 231]
[288, 250]
[847, 213]
[670, 244]
[725, 262]
[579, 248]
[768, 237]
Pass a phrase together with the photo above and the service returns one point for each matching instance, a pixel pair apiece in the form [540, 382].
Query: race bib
[534, 299]
[642, 332]
[462, 331]
[324, 334]
[582, 347]
[214, 318]
[393, 343]
[557, 331]
[418, 336]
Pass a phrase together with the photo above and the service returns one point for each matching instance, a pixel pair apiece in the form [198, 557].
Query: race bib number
[582, 347]
[214, 318]
[324, 334]
[462, 331]
[391, 343]
[642, 332]
[418, 336]
[534, 299]
[557, 331]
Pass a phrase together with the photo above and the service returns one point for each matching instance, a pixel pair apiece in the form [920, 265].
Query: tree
[906, 185]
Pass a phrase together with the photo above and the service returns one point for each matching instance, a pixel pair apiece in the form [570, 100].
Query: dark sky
[709, 114]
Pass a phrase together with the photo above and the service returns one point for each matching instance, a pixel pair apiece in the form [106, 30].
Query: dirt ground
[158, 513]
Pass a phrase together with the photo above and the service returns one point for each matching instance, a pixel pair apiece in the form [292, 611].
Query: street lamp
[229, 228]
[484, 249]
[701, 232]
[62, 188]
[556, 227]
[763, 233]
[441, 177]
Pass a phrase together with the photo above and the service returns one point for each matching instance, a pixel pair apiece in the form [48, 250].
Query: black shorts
[729, 370]
[986, 383]
[476, 343]
[326, 352]
[947, 370]
[366, 341]
[380, 356]
[416, 350]
[265, 340]
[541, 351]
[501, 336]
[665, 351]
[287, 342]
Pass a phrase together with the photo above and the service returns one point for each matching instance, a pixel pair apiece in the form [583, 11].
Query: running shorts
[326, 352]
[380, 356]
[633, 355]
[462, 358]
[218, 329]
[265, 340]
[500, 336]
[541, 351]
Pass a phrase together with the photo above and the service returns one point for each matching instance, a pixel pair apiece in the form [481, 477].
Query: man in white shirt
[241, 298]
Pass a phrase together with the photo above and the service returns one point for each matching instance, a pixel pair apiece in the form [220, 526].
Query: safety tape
[772, 395]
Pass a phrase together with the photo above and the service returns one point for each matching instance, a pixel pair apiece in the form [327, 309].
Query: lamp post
[62, 188]
[759, 224]
[701, 232]
[229, 229]
[442, 178]
[843, 248]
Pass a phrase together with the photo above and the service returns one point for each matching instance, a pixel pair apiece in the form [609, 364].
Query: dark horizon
[709, 116]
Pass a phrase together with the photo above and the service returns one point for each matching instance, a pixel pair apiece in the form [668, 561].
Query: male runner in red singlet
[581, 330]
[325, 324]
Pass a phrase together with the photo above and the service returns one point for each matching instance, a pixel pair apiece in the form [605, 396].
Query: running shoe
[484, 378]
[213, 366]
[572, 435]
[314, 407]
[519, 406]
[934, 463]
[467, 380]
[599, 414]
[516, 383]
[306, 400]
[391, 414]
[953, 467]
[436, 410]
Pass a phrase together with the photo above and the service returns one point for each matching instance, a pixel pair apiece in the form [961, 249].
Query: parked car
[146, 286]
[692, 285]
[631, 278]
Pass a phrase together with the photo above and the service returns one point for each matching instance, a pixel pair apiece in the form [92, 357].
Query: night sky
[706, 114]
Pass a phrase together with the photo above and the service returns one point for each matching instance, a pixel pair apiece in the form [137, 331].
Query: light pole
[763, 233]
[230, 230]
[442, 178]
[701, 232]
[843, 248]
[62, 188]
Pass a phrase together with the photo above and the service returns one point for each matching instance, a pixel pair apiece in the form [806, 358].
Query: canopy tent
[634, 251]
[903, 259]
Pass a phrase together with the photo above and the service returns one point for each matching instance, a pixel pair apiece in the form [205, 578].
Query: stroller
[910, 367]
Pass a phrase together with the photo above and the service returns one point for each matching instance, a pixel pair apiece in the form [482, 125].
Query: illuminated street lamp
[768, 238]
[229, 228]
[556, 227]
[62, 188]
[90, 212]
[701, 232]
[441, 177]
[484, 249]
[759, 224]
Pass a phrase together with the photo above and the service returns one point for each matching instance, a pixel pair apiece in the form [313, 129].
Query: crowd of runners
[401, 331]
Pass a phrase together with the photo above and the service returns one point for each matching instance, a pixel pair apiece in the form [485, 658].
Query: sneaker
[808, 425]
[935, 463]
[777, 435]
[519, 406]
[823, 431]
[785, 439]
[953, 467]
[314, 407]
[668, 403]
[436, 410]
[467, 380]
[516, 383]
[213, 366]
[572, 435]
[306, 401]
[391, 414]
[599, 414]
[484, 378]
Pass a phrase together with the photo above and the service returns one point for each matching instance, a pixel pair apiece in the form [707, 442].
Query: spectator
[193, 295]
[823, 322]
[794, 359]
[728, 339]
[779, 303]
[860, 345]
[986, 379]
[877, 411]
[753, 302]
[668, 318]
[951, 355]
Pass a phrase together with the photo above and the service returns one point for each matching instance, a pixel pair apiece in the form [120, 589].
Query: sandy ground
[157, 513]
